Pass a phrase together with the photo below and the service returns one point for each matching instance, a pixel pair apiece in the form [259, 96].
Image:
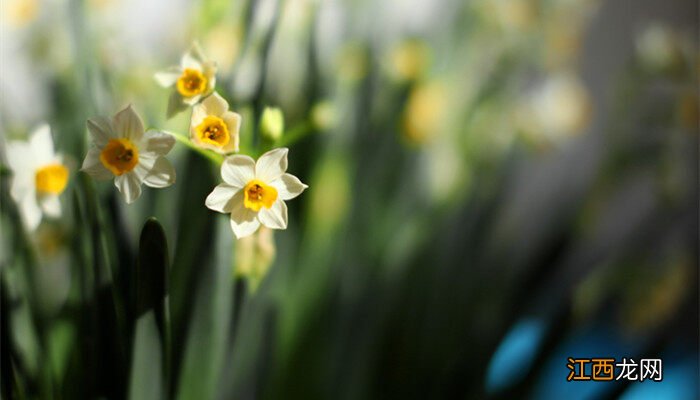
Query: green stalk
[215, 158]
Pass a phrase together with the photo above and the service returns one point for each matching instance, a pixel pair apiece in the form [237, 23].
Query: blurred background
[494, 186]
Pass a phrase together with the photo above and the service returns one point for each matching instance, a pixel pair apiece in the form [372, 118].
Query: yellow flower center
[192, 82]
[51, 179]
[214, 131]
[257, 194]
[119, 156]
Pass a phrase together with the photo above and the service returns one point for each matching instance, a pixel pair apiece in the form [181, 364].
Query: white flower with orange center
[213, 126]
[194, 79]
[254, 192]
[123, 151]
[39, 176]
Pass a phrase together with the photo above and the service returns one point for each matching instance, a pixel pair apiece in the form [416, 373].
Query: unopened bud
[272, 123]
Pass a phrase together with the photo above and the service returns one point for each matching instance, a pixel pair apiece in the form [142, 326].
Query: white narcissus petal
[30, 211]
[41, 144]
[190, 101]
[194, 57]
[159, 142]
[209, 70]
[221, 198]
[100, 129]
[288, 186]
[127, 124]
[94, 167]
[168, 77]
[50, 205]
[244, 222]
[215, 105]
[275, 217]
[233, 123]
[271, 165]
[19, 157]
[238, 170]
[161, 175]
[129, 185]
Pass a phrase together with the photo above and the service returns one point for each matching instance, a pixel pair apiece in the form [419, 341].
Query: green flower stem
[295, 134]
[215, 158]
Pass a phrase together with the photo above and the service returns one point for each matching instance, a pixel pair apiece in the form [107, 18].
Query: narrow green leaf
[151, 282]
[206, 339]
[146, 382]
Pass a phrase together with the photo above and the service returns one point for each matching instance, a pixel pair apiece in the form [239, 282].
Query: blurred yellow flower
[214, 127]
[121, 149]
[409, 60]
[425, 112]
[254, 192]
[194, 79]
[19, 13]
[39, 176]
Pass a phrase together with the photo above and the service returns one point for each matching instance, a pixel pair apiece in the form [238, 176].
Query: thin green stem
[295, 134]
[215, 158]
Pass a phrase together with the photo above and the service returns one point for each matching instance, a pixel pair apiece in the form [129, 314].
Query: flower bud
[272, 123]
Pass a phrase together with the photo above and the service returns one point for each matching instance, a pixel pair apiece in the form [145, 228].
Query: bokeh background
[495, 186]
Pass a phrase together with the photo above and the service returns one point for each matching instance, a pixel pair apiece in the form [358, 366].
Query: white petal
[19, 156]
[159, 142]
[215, 105]
[127, 124]
[190, 101]
[129, 185]
[161, 175]
[30, 211]
[146, 162]
[94, 167]
[271, 165]
[209, 71]
[244, 222]
[51, 205]
[238, 170]
[274, 217]
[233, 123]
[100, 129]
[41, 144]
[22, 183]
[288, 186]
[221, 198]
[193, 58]
[168, 77]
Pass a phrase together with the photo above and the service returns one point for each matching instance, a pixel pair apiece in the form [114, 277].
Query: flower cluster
[121, 149]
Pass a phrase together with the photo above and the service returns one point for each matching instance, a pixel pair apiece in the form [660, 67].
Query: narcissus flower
[39, 177]
[121, 149]
[254, 192]
[194, 79]
[213, 126]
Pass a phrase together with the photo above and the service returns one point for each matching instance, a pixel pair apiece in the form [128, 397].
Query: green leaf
[152, 273]
[146, 382]
[206, 340]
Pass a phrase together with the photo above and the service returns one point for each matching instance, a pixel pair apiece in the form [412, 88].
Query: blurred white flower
[658, 47]
[254, 192]
[560, 108]
[121, 149]
[192, 80]
[39, 176]
[213, 126]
